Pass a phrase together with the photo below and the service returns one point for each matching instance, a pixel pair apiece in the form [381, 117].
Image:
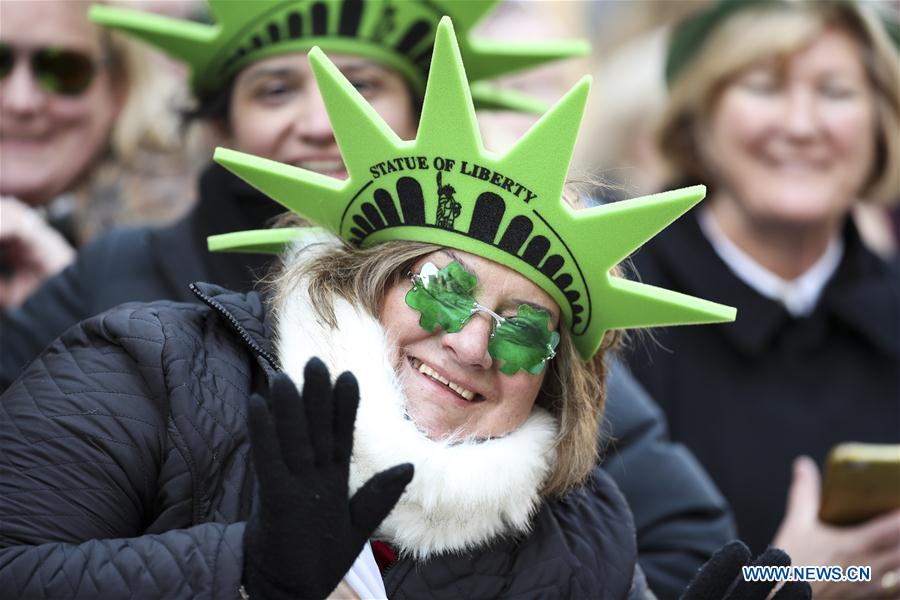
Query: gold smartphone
[861, 481]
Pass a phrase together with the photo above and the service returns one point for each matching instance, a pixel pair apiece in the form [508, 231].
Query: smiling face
[48, 141]
[278, 113]
[793, 142]
[451, 383]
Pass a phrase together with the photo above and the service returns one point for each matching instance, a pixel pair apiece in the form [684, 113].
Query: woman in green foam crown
[460, 439]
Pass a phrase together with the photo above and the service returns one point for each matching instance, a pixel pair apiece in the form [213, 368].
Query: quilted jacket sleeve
[680, 516]
[83, 435]
[57, 304]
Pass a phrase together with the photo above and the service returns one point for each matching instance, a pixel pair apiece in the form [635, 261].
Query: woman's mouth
[25, 143]
[459, 390]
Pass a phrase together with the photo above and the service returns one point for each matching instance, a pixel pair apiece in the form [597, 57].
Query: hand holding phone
[810, 541]
[861, 481]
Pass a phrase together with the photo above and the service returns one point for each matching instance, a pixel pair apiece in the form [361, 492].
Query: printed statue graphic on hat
[448, 208]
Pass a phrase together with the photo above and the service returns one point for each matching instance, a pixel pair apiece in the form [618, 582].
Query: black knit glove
[305, 532]
[721, 577]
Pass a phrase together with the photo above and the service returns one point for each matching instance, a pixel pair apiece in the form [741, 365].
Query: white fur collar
[463, 494]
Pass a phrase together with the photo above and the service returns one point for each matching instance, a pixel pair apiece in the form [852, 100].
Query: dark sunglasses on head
[57, 70]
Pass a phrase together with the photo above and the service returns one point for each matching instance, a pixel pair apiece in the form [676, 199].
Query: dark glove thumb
[716, 576]
[759, 590]
[374, 500]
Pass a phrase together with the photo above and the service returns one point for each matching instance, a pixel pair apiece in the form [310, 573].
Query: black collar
[225, 204]
[864, 292]
[246, 314]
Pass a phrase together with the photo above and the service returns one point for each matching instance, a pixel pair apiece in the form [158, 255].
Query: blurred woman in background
[789, 112]
[75, 108]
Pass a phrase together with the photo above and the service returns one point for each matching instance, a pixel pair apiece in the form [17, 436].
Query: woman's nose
[20, 92]
[801, 120]
[470, 344]
[313, 125]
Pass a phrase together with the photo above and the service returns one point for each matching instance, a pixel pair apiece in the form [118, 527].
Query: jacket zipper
[239, 329]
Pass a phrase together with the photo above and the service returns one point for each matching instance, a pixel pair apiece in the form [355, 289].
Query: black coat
[749, 396]
[125, 472]
[680, 516]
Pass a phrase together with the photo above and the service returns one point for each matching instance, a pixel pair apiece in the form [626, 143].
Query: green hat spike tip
[361, 133]
[445, 188]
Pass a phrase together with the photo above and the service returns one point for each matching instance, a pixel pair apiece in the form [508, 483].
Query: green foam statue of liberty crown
[396, 33]
[445, 188]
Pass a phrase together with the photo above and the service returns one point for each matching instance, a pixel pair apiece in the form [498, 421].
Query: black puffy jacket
[125, 473]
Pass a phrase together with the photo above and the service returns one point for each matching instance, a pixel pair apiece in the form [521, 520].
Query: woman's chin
[800, 218]
[431, 423]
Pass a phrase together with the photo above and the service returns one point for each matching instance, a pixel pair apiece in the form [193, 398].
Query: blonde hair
[788, 27]
[147, 121]
[573, 390]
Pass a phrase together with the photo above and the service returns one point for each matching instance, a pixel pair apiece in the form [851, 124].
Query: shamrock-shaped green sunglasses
[444, 299]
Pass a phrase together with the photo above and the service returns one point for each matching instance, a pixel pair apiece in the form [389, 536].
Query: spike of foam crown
[445, 188]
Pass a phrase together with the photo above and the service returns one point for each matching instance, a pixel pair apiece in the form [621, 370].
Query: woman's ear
[121, 87]
[220, 127]
[700, 130]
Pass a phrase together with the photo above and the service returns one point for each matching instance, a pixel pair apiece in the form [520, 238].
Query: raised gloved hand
[305, 531]
[721, 577]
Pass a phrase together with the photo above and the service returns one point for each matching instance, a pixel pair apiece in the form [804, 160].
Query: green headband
[396, 33]
[444, 188]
